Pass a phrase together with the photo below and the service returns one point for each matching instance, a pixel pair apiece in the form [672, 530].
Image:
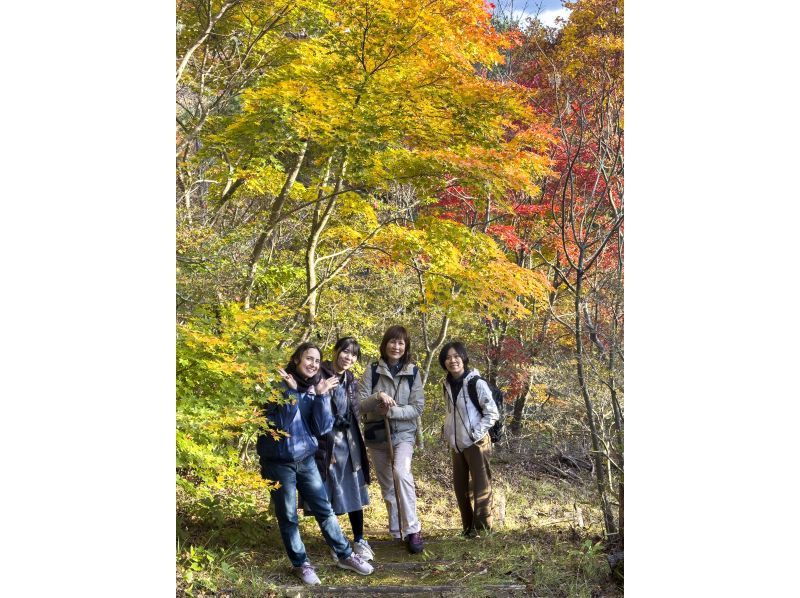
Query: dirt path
[398, 573]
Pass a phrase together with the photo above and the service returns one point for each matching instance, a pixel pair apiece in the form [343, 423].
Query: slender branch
[203, 37]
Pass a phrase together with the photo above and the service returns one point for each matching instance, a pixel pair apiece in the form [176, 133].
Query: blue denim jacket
[304, 417]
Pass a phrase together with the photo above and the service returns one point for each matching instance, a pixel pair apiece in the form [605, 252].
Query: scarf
[303, 383]
[341, 395]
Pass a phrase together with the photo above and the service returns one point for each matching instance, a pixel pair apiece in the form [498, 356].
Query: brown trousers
[474, 461]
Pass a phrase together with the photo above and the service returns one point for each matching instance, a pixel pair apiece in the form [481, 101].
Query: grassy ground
[232, 546]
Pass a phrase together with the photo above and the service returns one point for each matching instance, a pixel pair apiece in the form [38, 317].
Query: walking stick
[394, 475]
[418, 434]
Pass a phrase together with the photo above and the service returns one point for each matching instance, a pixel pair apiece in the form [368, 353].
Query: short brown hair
[394, 332]
[459, 348]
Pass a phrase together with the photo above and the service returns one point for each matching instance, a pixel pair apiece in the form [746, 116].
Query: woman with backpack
[289, 460]
[466, 428]
[392, 400]
[342, 457]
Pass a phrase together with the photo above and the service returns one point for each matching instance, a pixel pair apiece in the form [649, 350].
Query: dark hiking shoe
[476, 532]
[414, 543]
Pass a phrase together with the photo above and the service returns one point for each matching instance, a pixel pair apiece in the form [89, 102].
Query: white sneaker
[307, 574]
[364, 550]
[355, 563]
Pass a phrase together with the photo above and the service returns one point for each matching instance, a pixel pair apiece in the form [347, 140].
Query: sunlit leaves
[461, 269]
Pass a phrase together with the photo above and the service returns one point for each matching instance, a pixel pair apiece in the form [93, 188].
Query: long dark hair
[394, 332]
[302, 382]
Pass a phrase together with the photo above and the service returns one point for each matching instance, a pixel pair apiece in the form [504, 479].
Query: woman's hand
[326, 384]
[385, 402]
[288, 378]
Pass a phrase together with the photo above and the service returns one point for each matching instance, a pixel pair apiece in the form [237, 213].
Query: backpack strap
[412, 378]
[374, 376]
[472, 391]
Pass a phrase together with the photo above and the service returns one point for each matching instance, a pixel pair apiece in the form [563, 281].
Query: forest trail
[547, 543]
[398, 573]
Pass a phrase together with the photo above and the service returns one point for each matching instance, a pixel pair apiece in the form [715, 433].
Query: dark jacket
[325, 450]
[315, 419]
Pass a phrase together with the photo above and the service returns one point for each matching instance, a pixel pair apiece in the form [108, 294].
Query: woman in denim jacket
[305, 414]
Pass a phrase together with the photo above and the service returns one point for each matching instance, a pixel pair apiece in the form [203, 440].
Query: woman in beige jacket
[392, 389]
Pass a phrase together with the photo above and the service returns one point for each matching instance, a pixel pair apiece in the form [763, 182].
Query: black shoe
[414, 543]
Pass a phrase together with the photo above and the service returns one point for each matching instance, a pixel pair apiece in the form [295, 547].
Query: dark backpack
[375, 377]
[496, 431]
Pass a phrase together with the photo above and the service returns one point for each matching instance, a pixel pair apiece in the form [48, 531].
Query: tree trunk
[274, 216]
[431, 349]
[318, 223]
[203, 37]
[230, 188]
[519, 405]
[618, 424]
[497, 334]
[600, 471]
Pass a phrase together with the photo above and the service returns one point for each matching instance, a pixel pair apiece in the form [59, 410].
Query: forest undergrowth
[548, 535]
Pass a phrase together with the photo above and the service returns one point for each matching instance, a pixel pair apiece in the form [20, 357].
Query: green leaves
[223, 360]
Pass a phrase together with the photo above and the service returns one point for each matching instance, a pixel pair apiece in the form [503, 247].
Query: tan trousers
[474, 461]
[407, 491]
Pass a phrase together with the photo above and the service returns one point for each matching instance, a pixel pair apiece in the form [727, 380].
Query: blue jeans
[303, 476]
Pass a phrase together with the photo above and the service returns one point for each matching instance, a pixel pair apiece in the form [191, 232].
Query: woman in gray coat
[341, 457]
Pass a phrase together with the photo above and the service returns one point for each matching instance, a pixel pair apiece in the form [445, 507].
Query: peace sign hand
[326, 384]
[288, 378]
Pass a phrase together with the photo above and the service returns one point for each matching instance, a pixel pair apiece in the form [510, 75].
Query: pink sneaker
[355, 563]
[306, 574]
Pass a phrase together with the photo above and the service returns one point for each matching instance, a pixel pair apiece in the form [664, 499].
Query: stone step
[407, 591]
[433, 540]
[394, 565]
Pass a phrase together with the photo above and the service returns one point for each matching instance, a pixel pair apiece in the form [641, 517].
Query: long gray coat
[355, 440]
